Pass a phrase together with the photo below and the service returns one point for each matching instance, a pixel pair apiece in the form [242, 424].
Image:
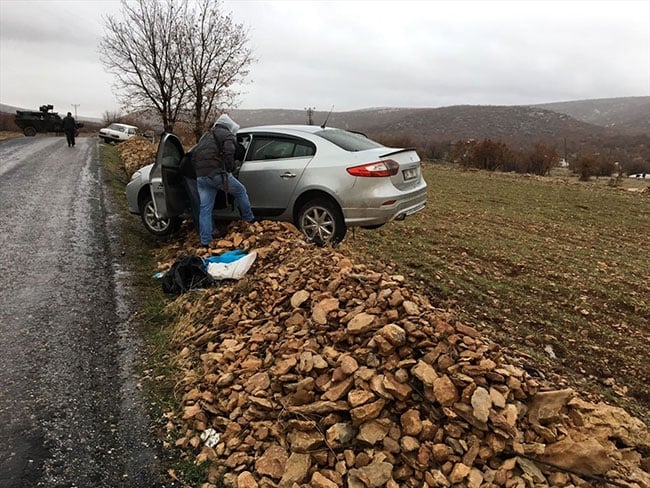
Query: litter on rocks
[210, 437]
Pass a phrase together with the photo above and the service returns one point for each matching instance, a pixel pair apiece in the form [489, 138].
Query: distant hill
[628, 115]
[577, 126]
[618, 129]
[516, 125]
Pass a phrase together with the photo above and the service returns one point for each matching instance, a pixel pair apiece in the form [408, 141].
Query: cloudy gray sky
[358, 54]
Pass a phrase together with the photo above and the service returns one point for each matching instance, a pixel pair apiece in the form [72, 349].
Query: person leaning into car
[69, 127]
[213, 159]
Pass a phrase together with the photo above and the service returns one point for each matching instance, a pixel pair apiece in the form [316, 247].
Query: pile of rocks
[317, 371]
[135, 153]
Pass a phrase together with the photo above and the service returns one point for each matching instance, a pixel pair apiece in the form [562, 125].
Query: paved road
[71, 413]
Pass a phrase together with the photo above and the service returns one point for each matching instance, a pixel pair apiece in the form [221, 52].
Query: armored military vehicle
[44, 120]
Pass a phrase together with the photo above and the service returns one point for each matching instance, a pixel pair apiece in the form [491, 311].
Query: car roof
[123, 125]
[311, 129]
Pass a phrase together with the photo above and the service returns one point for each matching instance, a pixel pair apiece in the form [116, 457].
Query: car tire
[321, 221]
[157, 226]
[29, 131]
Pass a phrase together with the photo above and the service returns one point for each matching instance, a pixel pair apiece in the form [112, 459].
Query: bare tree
[216, 57]
[540, 159]
[142, 51]
[585, 165]
[110, 117]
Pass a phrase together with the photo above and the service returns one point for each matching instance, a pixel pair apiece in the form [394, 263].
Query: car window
[350, 141]
[171, 155]
[244, 140]
[263, 147]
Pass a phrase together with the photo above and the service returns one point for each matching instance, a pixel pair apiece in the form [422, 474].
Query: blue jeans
[208, 187]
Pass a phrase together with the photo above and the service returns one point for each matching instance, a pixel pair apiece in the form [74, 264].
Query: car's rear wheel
[29, 131]
[154, 224]
[322, 222]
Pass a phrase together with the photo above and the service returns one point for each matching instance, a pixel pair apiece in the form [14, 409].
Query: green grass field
[545, 266]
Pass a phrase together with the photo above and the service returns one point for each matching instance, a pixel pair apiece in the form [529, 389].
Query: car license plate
[410, 174]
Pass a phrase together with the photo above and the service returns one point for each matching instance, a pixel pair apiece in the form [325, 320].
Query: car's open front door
[165, 180]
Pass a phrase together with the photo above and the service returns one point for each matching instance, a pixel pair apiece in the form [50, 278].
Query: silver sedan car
[323, 180]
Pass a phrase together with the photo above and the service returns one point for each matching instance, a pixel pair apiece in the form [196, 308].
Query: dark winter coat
[69, 124]
[215, 152]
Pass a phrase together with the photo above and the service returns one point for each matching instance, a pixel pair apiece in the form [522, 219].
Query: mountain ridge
[582, 125]
[580, 122]
[630, 115]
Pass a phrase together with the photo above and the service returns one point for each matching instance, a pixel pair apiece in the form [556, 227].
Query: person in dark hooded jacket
[69, 127]
[213, 160]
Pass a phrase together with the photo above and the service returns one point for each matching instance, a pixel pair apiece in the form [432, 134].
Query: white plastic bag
[234, 270]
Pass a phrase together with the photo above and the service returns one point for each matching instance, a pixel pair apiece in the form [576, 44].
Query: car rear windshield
[350, 141]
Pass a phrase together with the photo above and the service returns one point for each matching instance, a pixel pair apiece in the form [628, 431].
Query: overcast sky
[357, 54]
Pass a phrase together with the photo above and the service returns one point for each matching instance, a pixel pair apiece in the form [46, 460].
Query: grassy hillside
[556, 271]
[519, 126]
[629, 115]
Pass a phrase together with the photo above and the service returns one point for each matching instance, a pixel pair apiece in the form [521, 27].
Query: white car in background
[118, 132]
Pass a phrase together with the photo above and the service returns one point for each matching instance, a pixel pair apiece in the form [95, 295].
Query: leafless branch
[179, 59]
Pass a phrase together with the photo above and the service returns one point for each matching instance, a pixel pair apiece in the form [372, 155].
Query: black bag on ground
[187, 273]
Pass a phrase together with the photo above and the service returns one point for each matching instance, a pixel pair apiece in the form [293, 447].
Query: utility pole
[310, 112]
[75, 105]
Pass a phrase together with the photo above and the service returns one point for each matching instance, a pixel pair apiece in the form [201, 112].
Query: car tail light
[385, 167]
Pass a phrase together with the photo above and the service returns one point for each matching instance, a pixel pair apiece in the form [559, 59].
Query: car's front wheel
[322, 222]
[153, 223]
[29, 131]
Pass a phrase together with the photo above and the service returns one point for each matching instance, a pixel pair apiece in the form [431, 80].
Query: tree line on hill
[614, 155]
[538, 160]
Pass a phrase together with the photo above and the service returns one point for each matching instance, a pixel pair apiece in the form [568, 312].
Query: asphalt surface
[71, 411]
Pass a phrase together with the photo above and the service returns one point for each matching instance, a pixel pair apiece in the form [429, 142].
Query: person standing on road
[69, 127]
[213, 160]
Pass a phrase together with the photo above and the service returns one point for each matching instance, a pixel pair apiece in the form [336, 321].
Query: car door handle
[287, 174]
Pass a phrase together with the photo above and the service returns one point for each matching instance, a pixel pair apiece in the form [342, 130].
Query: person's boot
[218, 233]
